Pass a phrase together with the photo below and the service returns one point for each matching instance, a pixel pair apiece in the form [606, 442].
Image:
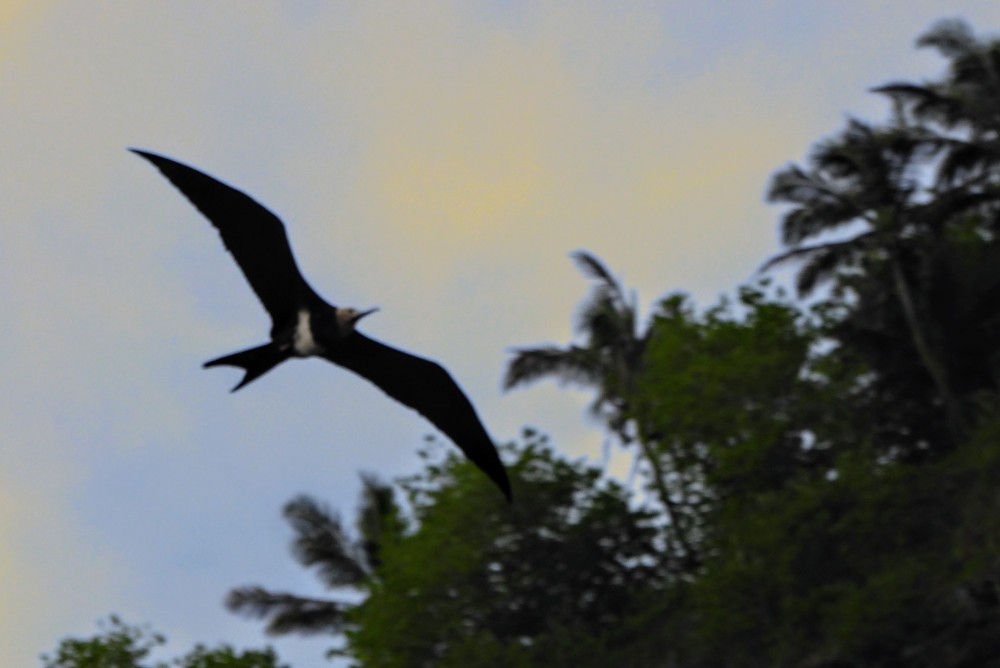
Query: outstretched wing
[427, 388]
[255, 237]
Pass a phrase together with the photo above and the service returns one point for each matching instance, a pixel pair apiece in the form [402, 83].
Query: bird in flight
[303, 324]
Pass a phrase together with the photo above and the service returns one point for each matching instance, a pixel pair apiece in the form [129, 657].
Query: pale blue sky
[439, 160]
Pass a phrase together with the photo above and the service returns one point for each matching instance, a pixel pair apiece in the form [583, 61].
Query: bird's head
[347, 318]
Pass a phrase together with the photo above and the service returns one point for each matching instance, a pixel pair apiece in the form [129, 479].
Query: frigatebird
[303, 324]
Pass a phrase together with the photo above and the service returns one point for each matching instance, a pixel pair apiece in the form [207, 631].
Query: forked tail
[255, 361]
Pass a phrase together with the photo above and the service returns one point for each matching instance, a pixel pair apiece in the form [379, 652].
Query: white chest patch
[303, 342]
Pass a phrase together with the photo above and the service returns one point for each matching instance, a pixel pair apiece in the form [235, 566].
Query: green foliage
[610, 361]
[120, 645]
[227, 657]
[545, 581]
[863, 568]
[903, 201]
[853, 515]
[720, 392]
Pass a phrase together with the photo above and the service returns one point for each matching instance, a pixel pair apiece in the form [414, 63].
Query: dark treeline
[818, 475]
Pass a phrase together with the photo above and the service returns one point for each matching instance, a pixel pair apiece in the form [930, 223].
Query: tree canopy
[122, 645]
[818, 474]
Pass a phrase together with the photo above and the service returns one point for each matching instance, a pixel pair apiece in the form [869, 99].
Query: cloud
[17, 18]
[492, 149]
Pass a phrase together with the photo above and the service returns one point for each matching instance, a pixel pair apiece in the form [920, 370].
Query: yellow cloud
[461, 148]
[13, 12]
[16, 17]
[510, 145]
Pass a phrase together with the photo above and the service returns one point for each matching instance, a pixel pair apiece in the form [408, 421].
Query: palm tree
[868, 180]
[960, 117]
[609, 361]
[964, 107]
[321, 542]
[937, 166]
[894, 193]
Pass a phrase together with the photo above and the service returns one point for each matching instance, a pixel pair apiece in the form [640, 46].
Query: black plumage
[304, 324]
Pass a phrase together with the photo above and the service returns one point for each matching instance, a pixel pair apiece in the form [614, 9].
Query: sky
[439, 160]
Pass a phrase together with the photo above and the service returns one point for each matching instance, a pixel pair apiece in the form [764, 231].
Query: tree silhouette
[122, 645]
[964, 107]
[609, 361]
[556, 579]
[868, 185]
[322, 543]
[904, 200]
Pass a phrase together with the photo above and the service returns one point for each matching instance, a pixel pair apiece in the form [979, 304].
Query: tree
[728, 396]
[610, 362]
[554, 579]
[121, 645]
[868, 178]
[874, 553]
[875, 566]
[917, 201]
[960, 118]
[321, 542]
[963, 107]
[558, 578]
[816, 549]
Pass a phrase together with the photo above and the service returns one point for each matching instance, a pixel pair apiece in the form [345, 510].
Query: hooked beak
[357, 317]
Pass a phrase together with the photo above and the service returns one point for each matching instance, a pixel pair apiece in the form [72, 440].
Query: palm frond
[911, 93]
[603, 319]
[573, 365]
[378, 517]
[926, 102]
[801, 253]
[320, 541]
[966, 159]
[593, 268]
[819, 258]
[846, 156]
[951, 37]
[818, 203]
[820, 267]
[794, 185]
[803, 223]
[287, 613]
[868, 167]
[949, 205]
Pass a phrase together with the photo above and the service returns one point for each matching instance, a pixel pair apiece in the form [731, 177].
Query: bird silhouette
[303, 324]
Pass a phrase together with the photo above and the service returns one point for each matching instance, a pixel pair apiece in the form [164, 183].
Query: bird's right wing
[427, 388]
[255, 236]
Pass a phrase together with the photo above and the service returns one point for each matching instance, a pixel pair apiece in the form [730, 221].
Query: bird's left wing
[427, 388]
[255, 236]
